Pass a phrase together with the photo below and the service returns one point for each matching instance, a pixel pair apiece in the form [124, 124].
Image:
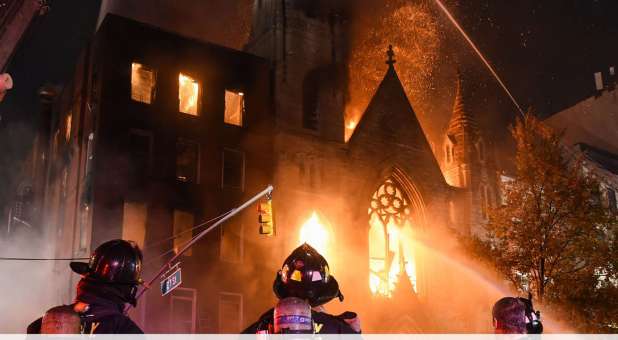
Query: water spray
[478, 52]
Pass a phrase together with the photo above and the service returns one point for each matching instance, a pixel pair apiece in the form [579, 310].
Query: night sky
[545, 50]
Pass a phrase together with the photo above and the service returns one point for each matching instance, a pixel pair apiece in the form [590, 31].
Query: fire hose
[266, 192]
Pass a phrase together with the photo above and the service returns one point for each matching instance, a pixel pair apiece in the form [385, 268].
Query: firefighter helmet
[305, 274]
[115, 261]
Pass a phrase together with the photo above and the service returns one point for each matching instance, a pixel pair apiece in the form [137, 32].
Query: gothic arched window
[391, 247]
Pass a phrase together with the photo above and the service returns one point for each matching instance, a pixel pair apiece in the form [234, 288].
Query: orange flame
[188, 90]
[315, 233]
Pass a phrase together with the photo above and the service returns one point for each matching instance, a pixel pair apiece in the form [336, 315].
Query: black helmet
[305, 274]
[115, 261]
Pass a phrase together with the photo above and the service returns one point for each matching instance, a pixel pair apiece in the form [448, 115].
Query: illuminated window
[187, 161]
[231, 247]
[233, 169]
[67, 127]
[183, 223]
[134, 222]
[142, 83]
[230, 313]
[391, 247]
[188, 94]
[234, 107]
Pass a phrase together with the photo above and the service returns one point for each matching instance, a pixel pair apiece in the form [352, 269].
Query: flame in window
[234, 107]
[315, 233]
[188, 93]
[142, 83]
[391, 240]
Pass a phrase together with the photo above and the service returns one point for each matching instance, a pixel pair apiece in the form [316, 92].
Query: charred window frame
[183, 311]
[187, 161]
[143, 83]
[230, 312]
[231, 247]
[134, 216]
[140, 151]
[183, 224]
[233, 169]
[311, 116]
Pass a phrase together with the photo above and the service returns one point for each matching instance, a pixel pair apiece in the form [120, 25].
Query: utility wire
[42, 259]
[201, 225]
[266, 192]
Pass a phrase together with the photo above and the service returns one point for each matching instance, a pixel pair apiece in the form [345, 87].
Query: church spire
[462, 120]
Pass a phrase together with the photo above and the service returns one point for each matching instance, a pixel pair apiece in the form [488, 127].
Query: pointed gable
[389, 115]
[389, 136]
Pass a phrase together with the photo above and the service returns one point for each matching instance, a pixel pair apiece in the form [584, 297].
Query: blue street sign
[170, 282]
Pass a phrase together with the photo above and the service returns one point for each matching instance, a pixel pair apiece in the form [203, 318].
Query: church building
[159, 133]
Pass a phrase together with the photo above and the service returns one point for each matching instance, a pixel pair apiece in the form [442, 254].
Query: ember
[413, 32]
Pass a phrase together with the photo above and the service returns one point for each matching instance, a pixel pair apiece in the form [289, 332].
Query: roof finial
[390, 53]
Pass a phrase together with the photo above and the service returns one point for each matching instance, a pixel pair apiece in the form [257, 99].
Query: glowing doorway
[391, 236]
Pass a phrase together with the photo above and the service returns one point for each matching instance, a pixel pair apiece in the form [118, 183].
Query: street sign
[171, 281]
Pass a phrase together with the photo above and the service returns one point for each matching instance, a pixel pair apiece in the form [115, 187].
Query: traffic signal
[265, 218]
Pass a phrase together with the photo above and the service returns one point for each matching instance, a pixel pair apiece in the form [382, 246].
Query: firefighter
[516, 315]
[305, 275]
[109, 281]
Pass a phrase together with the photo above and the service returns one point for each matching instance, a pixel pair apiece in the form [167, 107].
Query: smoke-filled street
[308, 167]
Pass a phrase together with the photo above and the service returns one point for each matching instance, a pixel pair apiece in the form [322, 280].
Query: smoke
[417, 38]
[223, 22]
[455, 291]
[29, 287]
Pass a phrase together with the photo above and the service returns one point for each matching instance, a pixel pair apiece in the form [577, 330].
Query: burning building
[159, 132]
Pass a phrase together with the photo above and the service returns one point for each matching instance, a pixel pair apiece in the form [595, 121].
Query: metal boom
[233, 212]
